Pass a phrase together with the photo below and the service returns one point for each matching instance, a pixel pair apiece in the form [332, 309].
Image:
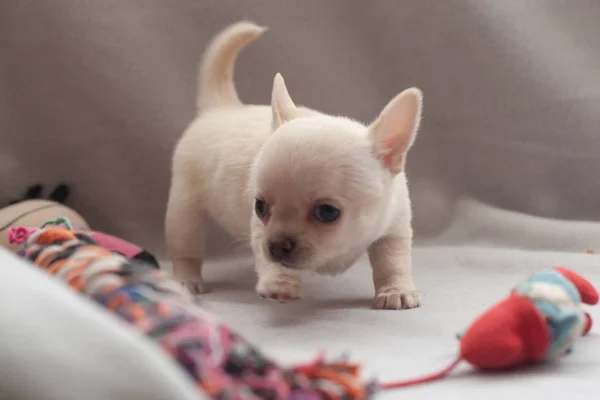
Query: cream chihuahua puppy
[311, 192]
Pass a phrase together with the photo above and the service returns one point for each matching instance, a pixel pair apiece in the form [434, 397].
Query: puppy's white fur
[294, 159]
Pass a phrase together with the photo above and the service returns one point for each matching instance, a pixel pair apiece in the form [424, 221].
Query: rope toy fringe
[57, 222]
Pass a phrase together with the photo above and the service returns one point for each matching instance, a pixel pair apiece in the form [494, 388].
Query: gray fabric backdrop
[95, 93]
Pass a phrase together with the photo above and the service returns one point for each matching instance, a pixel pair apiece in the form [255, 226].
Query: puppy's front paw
[395, 298]
[279, 288]
[193, 285]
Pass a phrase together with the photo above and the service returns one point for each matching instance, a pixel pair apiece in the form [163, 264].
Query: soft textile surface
[458, 283]
[95, 94]
[58, 346]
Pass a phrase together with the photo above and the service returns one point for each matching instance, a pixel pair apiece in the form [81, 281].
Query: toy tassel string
[423, 379]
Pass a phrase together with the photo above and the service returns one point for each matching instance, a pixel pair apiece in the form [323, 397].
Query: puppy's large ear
[394, 131]
[282, 105]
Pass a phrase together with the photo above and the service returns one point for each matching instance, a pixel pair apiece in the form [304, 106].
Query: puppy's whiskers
[239, 243]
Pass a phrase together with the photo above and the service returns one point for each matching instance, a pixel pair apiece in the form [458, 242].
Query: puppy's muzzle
[282, 249]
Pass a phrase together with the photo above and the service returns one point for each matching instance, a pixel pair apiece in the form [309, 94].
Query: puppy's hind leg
[185, 228]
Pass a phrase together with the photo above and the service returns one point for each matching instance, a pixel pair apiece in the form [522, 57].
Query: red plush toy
[539, 321]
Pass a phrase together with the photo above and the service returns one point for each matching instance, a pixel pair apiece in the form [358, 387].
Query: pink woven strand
[19, 234]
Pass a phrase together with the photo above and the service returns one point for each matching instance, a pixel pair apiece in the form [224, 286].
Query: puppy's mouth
[289, 264]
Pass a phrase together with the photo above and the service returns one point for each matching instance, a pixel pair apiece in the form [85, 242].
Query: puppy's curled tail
[215, 82]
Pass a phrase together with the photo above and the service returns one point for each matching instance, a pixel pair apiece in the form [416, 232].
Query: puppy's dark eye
[261, 207]
[326, 213]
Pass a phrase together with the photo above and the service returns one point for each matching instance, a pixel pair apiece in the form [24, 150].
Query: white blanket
[57, 345]
[458, 283]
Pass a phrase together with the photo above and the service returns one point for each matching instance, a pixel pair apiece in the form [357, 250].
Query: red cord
[424, 379]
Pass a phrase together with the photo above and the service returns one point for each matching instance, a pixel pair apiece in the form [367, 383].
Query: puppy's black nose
[281, 248]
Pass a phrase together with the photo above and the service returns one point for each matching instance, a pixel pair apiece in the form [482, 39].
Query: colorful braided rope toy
[539, 321]
[223, 364]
